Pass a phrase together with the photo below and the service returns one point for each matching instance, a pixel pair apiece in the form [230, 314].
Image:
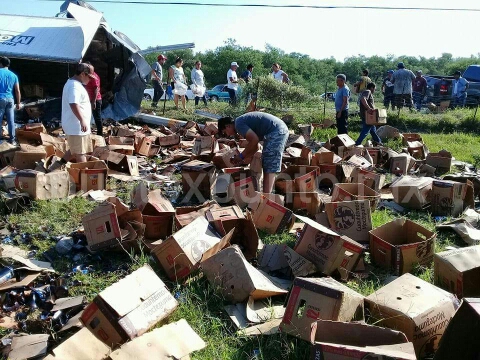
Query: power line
[291, 6]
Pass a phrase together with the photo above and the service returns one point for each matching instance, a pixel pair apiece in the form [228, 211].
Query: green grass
[200, 304]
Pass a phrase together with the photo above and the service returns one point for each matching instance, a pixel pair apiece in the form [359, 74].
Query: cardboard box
[240, 280]
[336, 340]
[410, 137]
[441, 160]
[147, 146]
[224, 159]
[297, 178]
[198, 178]
[157, 212]
[373, 180]
[312, 299]
[401, 244]
[169, 140]
[256, 164]
[23, 160]
[235, 185]
[272, 217]
[331, 174]
[244, 234]
[129, 308]
[328, 250]
[324, 156]
[348, 192]
[181, 253]
[401, 164]
[7, 153]
[89, 175]
[418, 309]
[311, 202]
[460, 339]
[451, 198]
[186, 214]
[205, 145]
[121, 140]
[359, 161]
[217, 215]
[378, 117]
[41, 186]
[458, 271]
[298, 154]
[350, 218]
[342, 140]
[412, 192]
[102, 228]
[417, 149]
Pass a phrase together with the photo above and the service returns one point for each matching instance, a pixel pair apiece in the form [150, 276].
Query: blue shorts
[273, 147]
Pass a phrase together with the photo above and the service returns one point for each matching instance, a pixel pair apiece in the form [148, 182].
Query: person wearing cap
[278, 74]
[256, 126]
[77, 112]
[387, 91]
[419, 89]
[9, 92]
[402, 86]
[342, 97]
[459, 89]
[232, 80]
[93, 90]
[157, 76]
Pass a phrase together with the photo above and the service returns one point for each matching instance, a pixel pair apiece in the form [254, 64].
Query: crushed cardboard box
[237, 279]
[129, 308]
[272, 217]
[412, 192]
[297, 178]
[418, 309]
[348, 192]
[335, 340]
[460, 339]
[328, 250]
[451, 198]
[312, 299]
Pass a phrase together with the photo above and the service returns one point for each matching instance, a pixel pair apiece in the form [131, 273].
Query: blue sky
[320, 33]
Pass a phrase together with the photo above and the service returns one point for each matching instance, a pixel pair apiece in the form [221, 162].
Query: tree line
[315, 75]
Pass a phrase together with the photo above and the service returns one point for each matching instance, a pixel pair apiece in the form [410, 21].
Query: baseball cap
[85, 68]
[161, 57]
[419, 72]
[234, 63]
[400, 65]
[342, 76]
[390, 71]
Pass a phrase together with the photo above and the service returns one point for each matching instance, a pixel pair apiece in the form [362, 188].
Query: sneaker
[13, 142]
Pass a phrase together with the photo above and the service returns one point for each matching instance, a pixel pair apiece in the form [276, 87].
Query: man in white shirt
[77, 112]
[232, 85]
[198, 79]
[279, 74]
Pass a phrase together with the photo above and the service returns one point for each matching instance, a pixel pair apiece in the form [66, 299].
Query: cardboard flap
[355, 334]
[224, 243]
[28, 347]
[128, 293]
[261, 311]
[172, 341]
[316, 225]
[68, 302]
[82, 345]
[197, 165]
[299, 265]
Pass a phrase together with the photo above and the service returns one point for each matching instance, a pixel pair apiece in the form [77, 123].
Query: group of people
[81, 99]
[177, 82]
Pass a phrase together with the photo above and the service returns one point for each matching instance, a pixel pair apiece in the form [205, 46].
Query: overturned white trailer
[44, 51]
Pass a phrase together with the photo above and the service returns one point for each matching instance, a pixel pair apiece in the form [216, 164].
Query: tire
[214, 98]
[147, 97]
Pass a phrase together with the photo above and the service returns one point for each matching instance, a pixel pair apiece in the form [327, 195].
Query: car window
[218, 88]
[224, 89]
